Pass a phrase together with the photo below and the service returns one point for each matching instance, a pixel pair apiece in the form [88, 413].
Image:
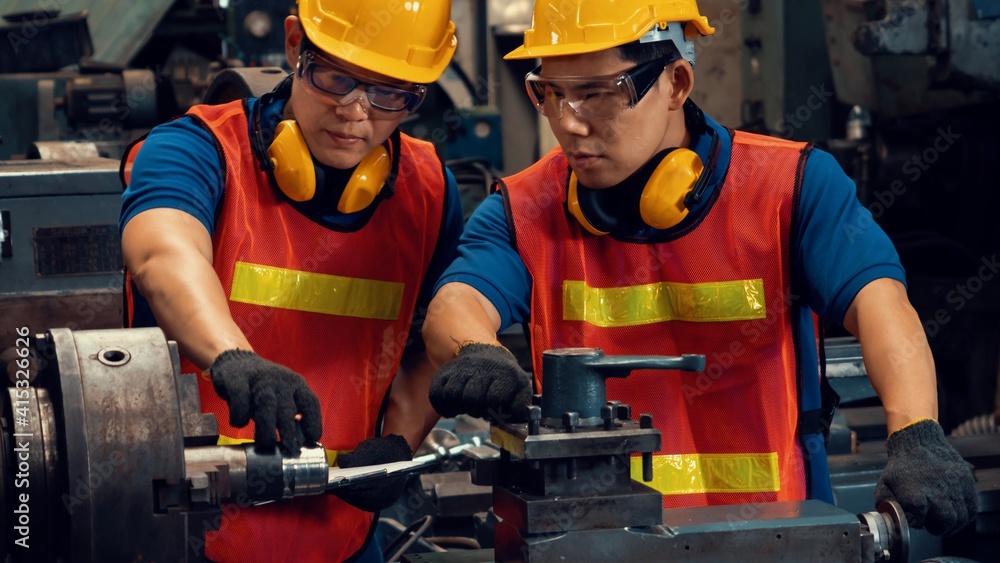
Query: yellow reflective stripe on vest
[712, 473]
[331, 455]
[664, 301]
[316, 293]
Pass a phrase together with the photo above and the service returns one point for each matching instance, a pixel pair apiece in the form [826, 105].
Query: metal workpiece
[573, 379]
[240, 474]
[885, 534]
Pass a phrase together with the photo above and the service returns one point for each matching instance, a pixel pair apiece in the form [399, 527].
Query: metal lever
[340, 477]
[573, 378]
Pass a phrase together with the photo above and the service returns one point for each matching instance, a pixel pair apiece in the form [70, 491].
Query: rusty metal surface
[136, 442]
[893, 86]
[35, 514]
[68, 399]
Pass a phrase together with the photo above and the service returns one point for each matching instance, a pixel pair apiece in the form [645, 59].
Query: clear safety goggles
[594, 97]
[326, 78]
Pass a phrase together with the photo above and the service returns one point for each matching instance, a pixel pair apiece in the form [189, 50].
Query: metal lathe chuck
[106, 455]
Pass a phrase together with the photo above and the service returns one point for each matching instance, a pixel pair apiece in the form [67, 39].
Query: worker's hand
[373, 496]
[485, 380]
[271, 395]
[929, 479]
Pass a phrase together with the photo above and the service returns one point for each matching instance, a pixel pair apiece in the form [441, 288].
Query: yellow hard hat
[574, 27]
[409, 40]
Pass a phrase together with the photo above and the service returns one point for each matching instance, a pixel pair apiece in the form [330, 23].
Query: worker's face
[340, 130]
[604, 150]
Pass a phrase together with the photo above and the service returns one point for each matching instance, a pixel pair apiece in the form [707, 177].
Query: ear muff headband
[676, 184]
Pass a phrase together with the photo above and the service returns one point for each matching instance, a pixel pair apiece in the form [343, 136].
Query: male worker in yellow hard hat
[652, 230]
[285, 243]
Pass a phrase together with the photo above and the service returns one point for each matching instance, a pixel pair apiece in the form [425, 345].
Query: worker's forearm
[183, 290]
[191, 308]
[896, 354]
[458, 313]
[409, 412]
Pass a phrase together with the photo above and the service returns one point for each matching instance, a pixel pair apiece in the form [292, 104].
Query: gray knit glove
[485, 380]
[929, 479]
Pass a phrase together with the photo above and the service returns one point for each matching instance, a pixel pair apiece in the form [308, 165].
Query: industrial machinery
[102, 434]
[60, 261]
[563, 491]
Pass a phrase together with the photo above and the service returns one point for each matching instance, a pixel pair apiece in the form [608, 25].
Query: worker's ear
[680, 76]
[293, 40]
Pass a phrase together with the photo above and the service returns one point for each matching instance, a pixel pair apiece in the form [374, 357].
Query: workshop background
[904, 93]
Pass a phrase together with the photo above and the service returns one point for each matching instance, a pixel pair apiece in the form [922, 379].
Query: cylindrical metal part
[647, 467]
[307, 474]
[271, 476]
[571, 468]
[570, 385]
[645, 421]
[534, 419]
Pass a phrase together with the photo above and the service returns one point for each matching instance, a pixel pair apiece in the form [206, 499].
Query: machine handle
[622, 366]
[573, 379]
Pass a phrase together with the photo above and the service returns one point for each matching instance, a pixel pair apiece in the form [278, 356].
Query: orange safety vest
[722, 289]
[334, 307]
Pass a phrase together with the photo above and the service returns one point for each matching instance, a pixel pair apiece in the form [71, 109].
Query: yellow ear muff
[366, 182]
[662, 203]
[294, 170]
[573, 205]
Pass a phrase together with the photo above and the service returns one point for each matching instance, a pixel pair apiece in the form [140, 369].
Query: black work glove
[484, 380]
[271, 395]
[928, 478]
[373, 496]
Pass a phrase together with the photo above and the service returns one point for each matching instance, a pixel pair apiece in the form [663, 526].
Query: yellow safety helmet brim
[590, 26]
[413, 44]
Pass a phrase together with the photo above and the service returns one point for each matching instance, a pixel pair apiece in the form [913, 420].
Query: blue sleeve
[840, 247]
[444, 253]
[178, 167]
[488, 262]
